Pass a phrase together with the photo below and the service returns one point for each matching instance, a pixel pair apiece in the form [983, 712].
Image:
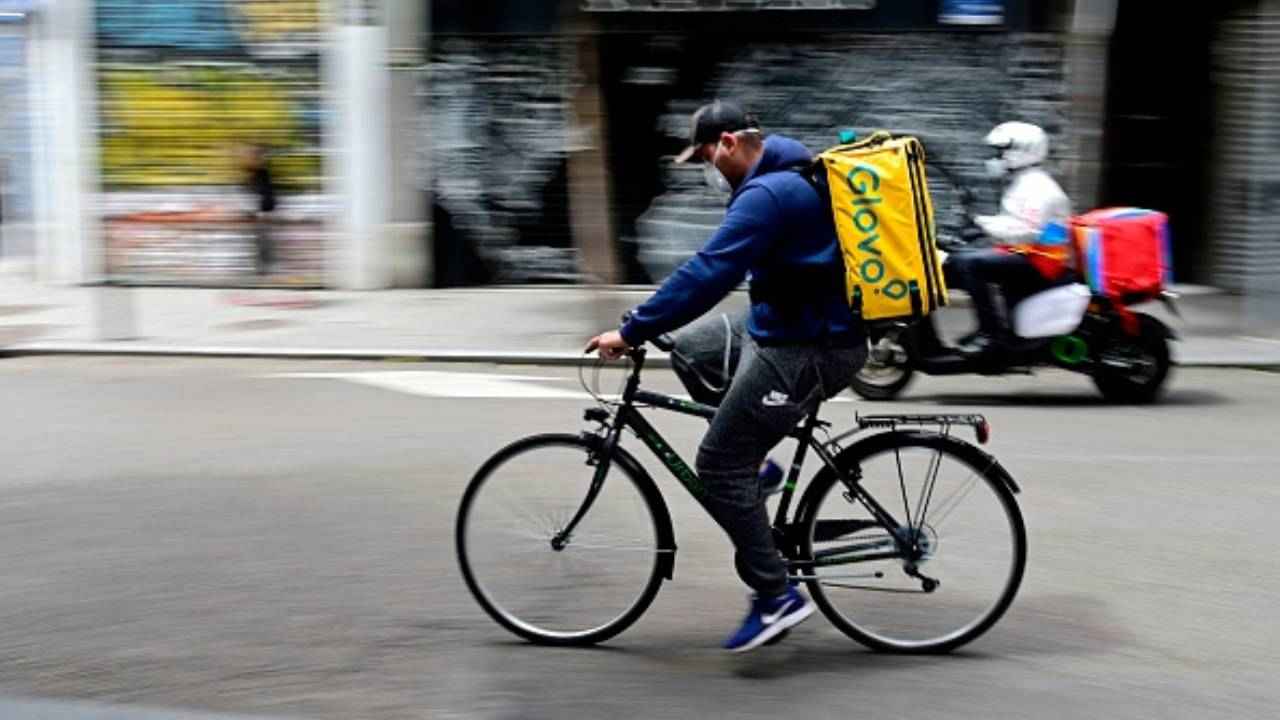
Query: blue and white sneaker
[772, 478]
[769, 618]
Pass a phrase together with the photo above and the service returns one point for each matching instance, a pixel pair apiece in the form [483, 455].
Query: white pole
[69, 237]
[358, 83]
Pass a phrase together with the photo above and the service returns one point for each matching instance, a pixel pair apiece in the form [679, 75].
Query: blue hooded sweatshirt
[779, 230]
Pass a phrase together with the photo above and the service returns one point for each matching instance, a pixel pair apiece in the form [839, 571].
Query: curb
[570, 359]
[655, 358]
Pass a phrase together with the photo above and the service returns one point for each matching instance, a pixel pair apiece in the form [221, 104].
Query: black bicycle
[910, 540]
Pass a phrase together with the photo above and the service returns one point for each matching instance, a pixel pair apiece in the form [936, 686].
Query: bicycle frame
[628, 417]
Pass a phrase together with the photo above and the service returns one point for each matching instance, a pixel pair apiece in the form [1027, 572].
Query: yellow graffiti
[183, 125]
[276, 20]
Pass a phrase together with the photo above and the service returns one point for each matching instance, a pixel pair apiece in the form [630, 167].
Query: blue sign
[195, 25]
[16, 10]
[971, 12]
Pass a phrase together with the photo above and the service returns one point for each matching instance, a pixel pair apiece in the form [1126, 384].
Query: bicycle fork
[602, 458]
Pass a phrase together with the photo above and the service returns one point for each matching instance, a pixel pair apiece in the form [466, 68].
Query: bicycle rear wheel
[546, 588]
[951, 565]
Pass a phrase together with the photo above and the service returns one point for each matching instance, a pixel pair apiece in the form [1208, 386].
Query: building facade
[465, 142]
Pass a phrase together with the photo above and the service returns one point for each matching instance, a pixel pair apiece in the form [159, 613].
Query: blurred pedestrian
[257, 178]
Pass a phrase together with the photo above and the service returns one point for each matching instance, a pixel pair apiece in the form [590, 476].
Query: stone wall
[948, 89]
[498, 138]
[500, 124]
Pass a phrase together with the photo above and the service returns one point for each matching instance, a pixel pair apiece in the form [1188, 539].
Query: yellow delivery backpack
[884, 219]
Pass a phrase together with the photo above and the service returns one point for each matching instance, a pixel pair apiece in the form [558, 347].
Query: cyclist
[804, 344]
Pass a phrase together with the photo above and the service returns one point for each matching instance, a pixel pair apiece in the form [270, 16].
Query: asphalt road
[275, 539]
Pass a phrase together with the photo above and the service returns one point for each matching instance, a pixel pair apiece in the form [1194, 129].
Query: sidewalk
[530, 324]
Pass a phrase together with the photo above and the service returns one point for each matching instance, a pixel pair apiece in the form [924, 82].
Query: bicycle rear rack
[944, 423]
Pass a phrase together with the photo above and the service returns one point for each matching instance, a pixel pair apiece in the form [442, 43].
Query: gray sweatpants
[771, 391]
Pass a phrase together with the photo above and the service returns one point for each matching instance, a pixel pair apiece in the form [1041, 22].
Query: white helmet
[1019, 145]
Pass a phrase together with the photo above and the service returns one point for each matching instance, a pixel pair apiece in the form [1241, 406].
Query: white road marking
[435, 383]
[443, 384]
[35, 709]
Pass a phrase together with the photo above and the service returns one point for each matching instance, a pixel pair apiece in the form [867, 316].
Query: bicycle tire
[984, 466]
[622, 466]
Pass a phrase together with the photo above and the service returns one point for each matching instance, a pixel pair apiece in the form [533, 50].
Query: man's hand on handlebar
[610, 345]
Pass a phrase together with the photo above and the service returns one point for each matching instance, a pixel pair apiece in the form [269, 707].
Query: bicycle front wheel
[538, 583]
[943, 572]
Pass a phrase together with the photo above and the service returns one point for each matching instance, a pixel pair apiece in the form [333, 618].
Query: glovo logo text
[864, 181]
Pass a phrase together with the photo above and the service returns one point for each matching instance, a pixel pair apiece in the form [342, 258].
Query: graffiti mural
[178, 124]
[811, 90]
[262, 28]
[184, 87]
[500, 125]
[499, 136]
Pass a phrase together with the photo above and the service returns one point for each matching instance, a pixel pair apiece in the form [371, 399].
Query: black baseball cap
[712, 119]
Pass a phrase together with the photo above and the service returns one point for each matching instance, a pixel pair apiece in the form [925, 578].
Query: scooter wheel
[1134, 371]
[886, 373]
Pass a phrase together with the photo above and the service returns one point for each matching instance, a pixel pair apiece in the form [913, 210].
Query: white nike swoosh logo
[772, 618]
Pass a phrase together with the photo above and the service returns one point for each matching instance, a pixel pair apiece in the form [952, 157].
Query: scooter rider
[1021, 262]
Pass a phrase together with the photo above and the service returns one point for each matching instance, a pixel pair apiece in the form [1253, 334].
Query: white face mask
[716, 179]
[997, 168]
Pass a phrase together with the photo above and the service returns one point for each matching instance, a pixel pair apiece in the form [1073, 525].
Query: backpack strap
[815, 282]
[812, 172]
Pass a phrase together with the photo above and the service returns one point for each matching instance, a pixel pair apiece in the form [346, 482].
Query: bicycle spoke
[522, 511]
[926, 490]
[530, 538]
[616, 548]
[902, 484]
[952, 501]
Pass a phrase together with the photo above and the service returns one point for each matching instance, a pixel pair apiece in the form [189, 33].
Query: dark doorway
[1159, 122]
[641, 74]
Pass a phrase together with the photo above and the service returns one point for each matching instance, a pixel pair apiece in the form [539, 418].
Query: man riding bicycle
[803, 342]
